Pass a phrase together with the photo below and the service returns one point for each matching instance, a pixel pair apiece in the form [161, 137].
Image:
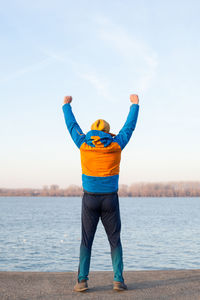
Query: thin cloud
[27, 69]
[83, 71]
[100, 85]
[58, 57]
[136, 54]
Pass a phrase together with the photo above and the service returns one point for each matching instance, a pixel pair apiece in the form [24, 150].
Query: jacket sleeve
[123, 137]
[74, 129]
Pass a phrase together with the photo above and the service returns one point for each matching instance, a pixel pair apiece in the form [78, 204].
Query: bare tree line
[143, 189]
[161, 189]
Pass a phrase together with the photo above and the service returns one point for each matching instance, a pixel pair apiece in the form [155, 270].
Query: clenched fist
[67, 99]
[134, 99]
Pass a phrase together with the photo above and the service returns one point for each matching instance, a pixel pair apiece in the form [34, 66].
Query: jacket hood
[98, 138]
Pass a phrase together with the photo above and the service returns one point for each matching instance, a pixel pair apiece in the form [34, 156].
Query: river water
[43, 234]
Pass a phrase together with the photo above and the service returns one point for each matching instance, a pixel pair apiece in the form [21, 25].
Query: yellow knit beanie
[101, 125]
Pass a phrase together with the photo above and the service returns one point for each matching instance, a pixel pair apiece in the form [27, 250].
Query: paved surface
[151, 285]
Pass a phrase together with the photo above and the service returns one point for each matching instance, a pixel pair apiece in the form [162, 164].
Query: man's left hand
[67, 99]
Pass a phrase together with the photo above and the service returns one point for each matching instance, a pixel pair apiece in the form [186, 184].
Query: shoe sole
[81, 290]
[118, 289]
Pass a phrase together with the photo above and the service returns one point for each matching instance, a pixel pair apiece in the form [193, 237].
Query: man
[100, 159]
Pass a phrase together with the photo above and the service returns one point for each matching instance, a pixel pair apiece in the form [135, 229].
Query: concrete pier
[151, 285]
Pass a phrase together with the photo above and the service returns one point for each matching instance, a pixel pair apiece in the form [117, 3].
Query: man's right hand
[134, 99]
[67, 99]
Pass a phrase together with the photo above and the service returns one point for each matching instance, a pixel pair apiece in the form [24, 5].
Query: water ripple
[43, 234]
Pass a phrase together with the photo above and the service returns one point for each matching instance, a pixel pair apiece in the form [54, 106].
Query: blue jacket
[100, 152]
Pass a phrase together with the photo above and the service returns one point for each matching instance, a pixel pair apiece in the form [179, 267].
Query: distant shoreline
[143, 189]
[81, 196]
[78, 196]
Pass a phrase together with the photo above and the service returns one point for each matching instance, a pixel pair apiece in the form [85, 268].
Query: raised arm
[123, 137]
[74, 129]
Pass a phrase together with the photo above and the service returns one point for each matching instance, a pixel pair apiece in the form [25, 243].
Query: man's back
[100, 155]
[100, 159]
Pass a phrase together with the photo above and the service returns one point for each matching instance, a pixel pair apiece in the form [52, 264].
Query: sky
[99, 52]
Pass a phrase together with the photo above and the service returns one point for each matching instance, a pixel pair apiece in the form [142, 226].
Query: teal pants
[106, 208]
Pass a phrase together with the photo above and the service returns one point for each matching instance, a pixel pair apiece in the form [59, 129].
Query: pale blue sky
[99, 52]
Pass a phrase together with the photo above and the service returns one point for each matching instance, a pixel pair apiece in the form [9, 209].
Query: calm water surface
[43, 234]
